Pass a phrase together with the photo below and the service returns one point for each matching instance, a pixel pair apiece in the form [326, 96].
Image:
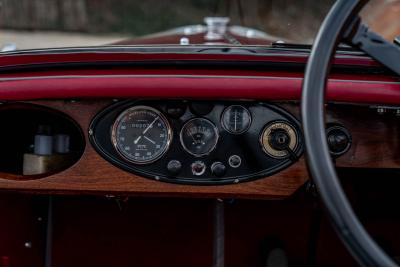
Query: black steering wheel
[341, 25]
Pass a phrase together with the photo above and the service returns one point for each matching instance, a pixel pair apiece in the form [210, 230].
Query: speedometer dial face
[199, 136]
[141, 134]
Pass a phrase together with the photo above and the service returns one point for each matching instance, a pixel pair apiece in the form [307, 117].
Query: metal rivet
[28, 244]
[236, 181]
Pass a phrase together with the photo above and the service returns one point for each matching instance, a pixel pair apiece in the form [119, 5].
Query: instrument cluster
[197, 142]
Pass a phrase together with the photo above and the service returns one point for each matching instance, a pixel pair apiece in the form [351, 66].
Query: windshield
[28, 24]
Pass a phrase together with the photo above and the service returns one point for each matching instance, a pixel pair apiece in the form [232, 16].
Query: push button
[198, 168]
[218, 169]
[174, 167]
[235, 161]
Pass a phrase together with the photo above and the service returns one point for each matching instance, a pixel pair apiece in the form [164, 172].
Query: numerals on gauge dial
[199, 136]
[141, 134]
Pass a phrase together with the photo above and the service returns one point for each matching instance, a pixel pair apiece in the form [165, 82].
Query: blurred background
[55, 23]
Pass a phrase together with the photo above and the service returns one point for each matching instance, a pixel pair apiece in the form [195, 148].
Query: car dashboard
[141, 123]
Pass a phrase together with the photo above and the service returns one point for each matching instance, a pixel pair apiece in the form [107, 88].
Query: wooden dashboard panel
[92, 174]
[375, 143]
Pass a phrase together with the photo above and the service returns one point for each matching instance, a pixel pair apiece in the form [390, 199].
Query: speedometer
[141, 134]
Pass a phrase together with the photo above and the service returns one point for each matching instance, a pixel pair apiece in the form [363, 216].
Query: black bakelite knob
[174, 167]
[279, 140]
[339, 140]
[218, 169]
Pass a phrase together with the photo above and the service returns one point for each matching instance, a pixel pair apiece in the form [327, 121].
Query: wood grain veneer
[94, 175]
[375, 143]
[376, 138]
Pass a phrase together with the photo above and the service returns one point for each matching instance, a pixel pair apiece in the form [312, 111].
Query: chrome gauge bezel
[123, 114]
[215, 129]
[226, 128]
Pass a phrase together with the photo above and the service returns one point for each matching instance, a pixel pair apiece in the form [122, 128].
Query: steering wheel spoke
[374, 45]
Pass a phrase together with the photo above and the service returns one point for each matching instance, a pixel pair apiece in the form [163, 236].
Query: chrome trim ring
[264, 139]
[215, 129]
[226, 128]
[124, 114]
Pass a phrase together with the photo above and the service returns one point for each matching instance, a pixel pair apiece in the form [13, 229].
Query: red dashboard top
[42, 75]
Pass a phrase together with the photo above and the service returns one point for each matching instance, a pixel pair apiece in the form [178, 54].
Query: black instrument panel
[197, 142]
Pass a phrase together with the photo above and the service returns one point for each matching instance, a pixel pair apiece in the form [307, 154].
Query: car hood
[205, 35]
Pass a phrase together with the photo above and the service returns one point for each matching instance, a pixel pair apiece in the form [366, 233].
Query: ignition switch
[279, 140]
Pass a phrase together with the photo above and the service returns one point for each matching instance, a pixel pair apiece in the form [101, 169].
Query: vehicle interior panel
[205, 145]
[78, 178]
[136, 225]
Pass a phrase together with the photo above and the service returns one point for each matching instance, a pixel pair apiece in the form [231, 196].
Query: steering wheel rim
[355, 237]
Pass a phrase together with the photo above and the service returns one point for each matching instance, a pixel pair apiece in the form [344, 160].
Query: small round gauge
[141, 134]
[199, 136]
[236, 119]
[277, 138]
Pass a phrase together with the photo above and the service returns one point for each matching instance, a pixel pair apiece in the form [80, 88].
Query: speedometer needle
[148, 139]
[150, 125]
[137, 139]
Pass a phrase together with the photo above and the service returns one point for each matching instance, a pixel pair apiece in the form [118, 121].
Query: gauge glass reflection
[236, 119]
[199, 136]
[141, 134]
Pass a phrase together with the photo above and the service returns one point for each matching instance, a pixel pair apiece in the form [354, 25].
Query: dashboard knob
[235, 161]
[174, 167]
[279, 139]
[339, 140]
[198, 168]
[218, 169]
